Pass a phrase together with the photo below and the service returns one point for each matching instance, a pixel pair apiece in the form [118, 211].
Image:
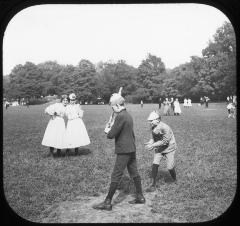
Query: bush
[36, 101]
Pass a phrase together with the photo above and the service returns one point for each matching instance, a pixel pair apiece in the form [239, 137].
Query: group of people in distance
[204, 100]
[169, 104]
[65, 129]
[187, 102]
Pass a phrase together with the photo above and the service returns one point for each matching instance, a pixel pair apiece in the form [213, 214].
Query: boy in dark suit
[122, 131]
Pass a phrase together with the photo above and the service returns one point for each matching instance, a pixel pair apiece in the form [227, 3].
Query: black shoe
[106, 205]
[57, 154]
[138, 200]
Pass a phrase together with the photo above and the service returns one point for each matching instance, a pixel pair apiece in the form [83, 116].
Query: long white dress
[54, 135]
[177, 108]
[76, 132]
[189, 103]
[185, 103]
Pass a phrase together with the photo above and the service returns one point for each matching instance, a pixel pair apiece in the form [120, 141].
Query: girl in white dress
[55, 132]
[189, 102]
[185, 102]
[76, 133]
[177, 109]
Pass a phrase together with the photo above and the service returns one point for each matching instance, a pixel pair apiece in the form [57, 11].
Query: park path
[81, 211]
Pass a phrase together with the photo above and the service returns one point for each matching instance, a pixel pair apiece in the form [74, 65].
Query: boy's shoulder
[161, 126]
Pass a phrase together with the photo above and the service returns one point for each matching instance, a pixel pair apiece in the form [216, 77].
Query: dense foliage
[213, 75]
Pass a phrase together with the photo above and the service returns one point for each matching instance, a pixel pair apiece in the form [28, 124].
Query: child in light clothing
[163, 144]
[231, 110]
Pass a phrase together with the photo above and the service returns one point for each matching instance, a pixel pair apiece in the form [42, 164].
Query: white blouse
[57, 108]
[74, 111]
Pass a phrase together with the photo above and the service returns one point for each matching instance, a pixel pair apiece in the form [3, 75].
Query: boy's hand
[149, 147]
[107, 129]
[149, 142]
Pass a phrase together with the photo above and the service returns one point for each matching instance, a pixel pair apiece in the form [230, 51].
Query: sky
[111, 32]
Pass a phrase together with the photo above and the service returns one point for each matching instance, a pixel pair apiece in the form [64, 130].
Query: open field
[206, 162]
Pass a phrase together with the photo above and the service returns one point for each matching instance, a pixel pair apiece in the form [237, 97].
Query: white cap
[153, 115]
[72, 96]
[116, 98]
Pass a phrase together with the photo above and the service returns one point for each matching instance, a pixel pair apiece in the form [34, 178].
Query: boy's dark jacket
[122, 131]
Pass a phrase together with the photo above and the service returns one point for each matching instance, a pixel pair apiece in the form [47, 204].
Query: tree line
[212, 75]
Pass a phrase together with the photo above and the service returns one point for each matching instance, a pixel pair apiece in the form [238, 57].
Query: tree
[220, 56]
[83, 81]
[150, 75]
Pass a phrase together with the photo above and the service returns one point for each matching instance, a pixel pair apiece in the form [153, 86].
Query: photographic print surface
[61, 66]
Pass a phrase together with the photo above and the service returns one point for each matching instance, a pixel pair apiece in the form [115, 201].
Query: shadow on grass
[70, 152]
[83, 151]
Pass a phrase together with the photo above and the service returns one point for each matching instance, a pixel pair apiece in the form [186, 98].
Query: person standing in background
[177, 109]
[206, 101]
[185, 102]
[166, 107]
[159, 103]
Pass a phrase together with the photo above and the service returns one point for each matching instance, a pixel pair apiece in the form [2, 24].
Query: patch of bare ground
[81, 211]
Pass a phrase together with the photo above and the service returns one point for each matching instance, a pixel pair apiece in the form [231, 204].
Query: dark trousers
[122, 161]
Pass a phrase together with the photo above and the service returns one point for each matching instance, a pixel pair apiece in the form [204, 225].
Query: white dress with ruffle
[185, 103]
[54, 135]
[177, 108]
[76, 132]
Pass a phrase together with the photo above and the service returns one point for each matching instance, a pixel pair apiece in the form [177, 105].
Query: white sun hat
[72, 96]
[116, 98]
[153, 115]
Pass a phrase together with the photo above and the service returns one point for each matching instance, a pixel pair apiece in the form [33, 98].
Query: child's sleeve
[50, 109]
[116, 127]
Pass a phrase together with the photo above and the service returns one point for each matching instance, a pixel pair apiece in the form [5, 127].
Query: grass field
[206, 161]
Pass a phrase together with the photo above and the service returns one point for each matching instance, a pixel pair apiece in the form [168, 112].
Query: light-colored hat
[116, 98]
[153, 115]
[72, 96]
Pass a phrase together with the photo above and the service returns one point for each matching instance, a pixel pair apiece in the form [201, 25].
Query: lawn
[206, 161]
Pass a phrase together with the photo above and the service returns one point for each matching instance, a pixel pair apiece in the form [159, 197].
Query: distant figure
[141, 103]
[189, 102]
[201, 101]
[228, 99]
[206, 102]
[166, 107]
[177, 109]
[27, 103]
[160, 103]
[231, 110]
[185, 103]
[7, 104]
[235, 100]
[171, 104]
